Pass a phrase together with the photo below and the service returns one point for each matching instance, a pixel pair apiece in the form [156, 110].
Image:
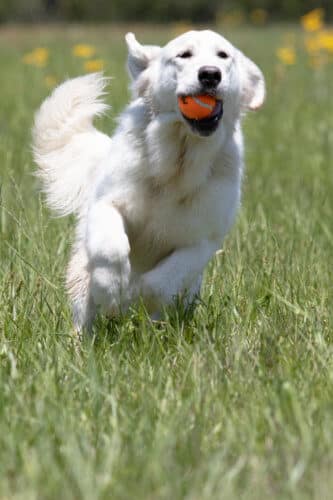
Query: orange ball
[196, 107]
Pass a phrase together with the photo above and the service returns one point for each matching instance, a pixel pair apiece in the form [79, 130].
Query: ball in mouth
[202, 112]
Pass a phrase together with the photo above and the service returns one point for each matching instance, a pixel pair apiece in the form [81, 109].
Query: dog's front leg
[108, 250]
[177, 273]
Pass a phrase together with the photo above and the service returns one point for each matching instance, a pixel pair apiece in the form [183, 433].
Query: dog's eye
[222, 54]
[185, 55]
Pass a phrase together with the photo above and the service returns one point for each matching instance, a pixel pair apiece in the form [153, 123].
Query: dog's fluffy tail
[66, 146]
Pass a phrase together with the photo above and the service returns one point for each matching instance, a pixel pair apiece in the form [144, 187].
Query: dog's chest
[185, 216]
[184, 196]
[160, 222]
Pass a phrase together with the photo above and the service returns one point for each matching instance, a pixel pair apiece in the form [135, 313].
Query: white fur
[67, 148]
[155, 201]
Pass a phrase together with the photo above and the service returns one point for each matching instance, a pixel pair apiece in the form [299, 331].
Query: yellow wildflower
[325, 40]
[37, 57]
[287, 55]
[313, 20]
[50, 81]
[322, 41]
[94, 65]
[259, 16]
[83, 50]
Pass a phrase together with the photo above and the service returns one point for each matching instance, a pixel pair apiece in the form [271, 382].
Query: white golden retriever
[154, 201]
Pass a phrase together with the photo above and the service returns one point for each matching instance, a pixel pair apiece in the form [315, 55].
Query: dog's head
[197, 62]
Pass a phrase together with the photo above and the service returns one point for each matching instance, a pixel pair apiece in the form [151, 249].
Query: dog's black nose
[209, 76]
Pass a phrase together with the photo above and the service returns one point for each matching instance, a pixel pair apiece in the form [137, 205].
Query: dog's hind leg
[84, 312]
[78, 288]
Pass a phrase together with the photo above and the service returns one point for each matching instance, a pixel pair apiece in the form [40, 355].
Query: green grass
[235, 402]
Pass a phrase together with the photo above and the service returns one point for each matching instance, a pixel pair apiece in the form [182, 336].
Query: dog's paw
[154, 293]
[158, 292]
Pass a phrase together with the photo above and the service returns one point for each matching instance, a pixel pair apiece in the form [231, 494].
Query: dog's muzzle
[206, 126]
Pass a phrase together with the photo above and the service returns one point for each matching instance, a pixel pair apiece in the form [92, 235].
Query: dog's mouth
[206, 126]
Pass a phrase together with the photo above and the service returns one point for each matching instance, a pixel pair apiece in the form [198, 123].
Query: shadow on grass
[177, 323]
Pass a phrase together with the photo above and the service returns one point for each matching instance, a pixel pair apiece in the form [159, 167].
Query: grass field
[235, 402]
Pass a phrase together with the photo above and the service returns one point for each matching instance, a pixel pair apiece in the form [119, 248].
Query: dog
[154, 201]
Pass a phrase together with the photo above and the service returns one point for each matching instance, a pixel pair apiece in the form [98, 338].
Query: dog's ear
[253, 89]
[139, 56]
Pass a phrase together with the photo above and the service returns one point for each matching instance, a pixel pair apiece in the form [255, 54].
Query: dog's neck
[180, 160]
